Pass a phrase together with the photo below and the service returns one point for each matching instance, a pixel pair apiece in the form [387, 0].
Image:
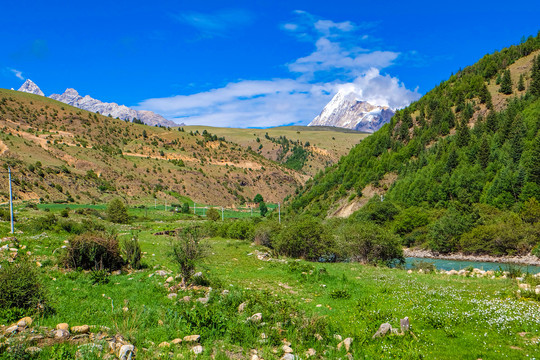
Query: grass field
[451, 317]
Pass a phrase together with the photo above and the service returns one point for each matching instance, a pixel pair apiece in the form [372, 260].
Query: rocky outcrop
[347, 111]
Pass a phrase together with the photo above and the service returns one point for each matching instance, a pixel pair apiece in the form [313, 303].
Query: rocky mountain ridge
[72, 97]
[345, 110]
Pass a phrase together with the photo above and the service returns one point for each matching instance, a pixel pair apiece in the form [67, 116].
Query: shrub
[377, 211]
[185, 208]
[93, 251]
[423, 265]
[212, 214]
[410, 219]
[241, 230]
[266, 233]
[65, 213]
[99, 277]
[305, 238]
[43, 223]
[117, 212]
[5, 215]
[132, 252]
[20, 287]
[187, 250]
[263, 209]
[369, 243]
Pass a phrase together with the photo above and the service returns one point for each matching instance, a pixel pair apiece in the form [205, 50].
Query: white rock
[197, 349]
[126, 352]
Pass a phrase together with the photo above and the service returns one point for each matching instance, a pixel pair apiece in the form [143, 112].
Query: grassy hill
[456, 168]
[303, 148]
[64, 154]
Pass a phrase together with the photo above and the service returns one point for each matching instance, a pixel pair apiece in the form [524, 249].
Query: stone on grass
[62, 326]
[254, 357]
[126, 352]
[384, 329]
[61, 334]
[197, 349]
[176, 341]
[287, 349]
[83, 329]
[337, 337]
[11, 329]
[192, 338]
[404, 324]
[241, 307]
[256, 317]
[161, 273]
[347, 343]
[288, 356]
[311, 352]
[24, 322]
[318, 337]
[172, 295]
[169, 279]
[164, 344]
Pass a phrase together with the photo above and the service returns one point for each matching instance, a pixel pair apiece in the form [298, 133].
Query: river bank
[521, 260]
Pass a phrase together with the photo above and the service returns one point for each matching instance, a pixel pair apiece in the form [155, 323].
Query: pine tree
[534, 87]
[498, 80]
[506, 83]
[484, 152]
[516, 141]
[521, 83]
[453, 161]
[534, 167]
[463, 134]
[491, 122]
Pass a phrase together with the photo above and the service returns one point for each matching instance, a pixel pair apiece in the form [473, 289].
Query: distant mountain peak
[30, 87]
[73, 98]
[346, 110]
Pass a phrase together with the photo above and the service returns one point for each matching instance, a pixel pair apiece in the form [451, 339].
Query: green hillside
[459, 169]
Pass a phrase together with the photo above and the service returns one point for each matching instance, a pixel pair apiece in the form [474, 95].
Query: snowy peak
[72, 97]
[30, 87]
[346, 110]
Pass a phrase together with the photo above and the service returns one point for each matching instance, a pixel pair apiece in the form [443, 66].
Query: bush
[20, 287]
[117, 212]
[369, 243]
[5, 215]
[410, 219]
[377, 211]
[241, 230]
[305, 238]
[212, 214]
[93, 251]
[132, 252]
[187, 250]
[266, 233]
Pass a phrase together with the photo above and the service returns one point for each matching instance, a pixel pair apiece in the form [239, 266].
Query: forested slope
[464, 160]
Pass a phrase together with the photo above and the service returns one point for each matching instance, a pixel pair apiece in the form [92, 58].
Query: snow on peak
[30, 87]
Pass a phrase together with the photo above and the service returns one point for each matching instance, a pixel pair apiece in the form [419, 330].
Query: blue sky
[250, 63]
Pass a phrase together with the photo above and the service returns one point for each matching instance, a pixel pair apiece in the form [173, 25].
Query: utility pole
[279, 212]
[11, 200]
[165, 205]
[195, 208]
[222, 217]
[155, 203]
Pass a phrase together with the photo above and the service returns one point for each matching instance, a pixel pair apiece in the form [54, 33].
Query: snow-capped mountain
[347, 111]
[72, 97]
[30, 87]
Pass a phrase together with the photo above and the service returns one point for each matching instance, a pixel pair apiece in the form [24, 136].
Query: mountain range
[347, 111]
[72, 97]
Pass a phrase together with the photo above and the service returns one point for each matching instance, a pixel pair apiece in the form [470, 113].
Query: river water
[443, 264]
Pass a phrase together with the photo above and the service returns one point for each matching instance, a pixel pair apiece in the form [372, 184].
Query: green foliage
[117, 212]
[444, 233]
[530, 213]
[263, 209]
[185, 208]
[506, 83]
[305, 237]
[410, 219]
[258, 199]
[212, 214]
[93, 251]
[266, 233]
[340, 294]
[186, 251]
[132, 252]
[377, 211]
[21, 287]
[5, 215]
[100, 277]
[297, 159]
[369, 243]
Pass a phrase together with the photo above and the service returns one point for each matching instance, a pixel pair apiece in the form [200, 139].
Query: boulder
[347, 343]
[255, 317]
[287, 349]
[164, 344]
[83, 329]
[197, 349]
[384, 329]
[288, 356]
[12, 329]
[192, 338]
[311, 352]
[61, 334]
[24, 322]
[169, 279]
[176, 341]
[404, 324]
[62, 326]
[32, 350]
[241, 307]
[172, 296]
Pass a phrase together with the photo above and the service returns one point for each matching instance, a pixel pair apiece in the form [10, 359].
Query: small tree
[263, 208]
[117, 212]
[258, 199]
[506, 83]
[185, 208]
[212, 214]
[132, 252]
[521, 83]
[187, 250]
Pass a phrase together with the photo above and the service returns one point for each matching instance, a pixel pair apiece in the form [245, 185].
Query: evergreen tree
[453, 161]
[463, 134]
[499, 78]
[516, 141]
[534, 167]
[484, 152]
[534, 87]
[117, 212]
[485, 96]
[521, 83]
[491, 121]
[506, 83]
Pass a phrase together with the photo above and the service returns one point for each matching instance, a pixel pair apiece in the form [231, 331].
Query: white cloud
[17, 73]
[338, 62]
